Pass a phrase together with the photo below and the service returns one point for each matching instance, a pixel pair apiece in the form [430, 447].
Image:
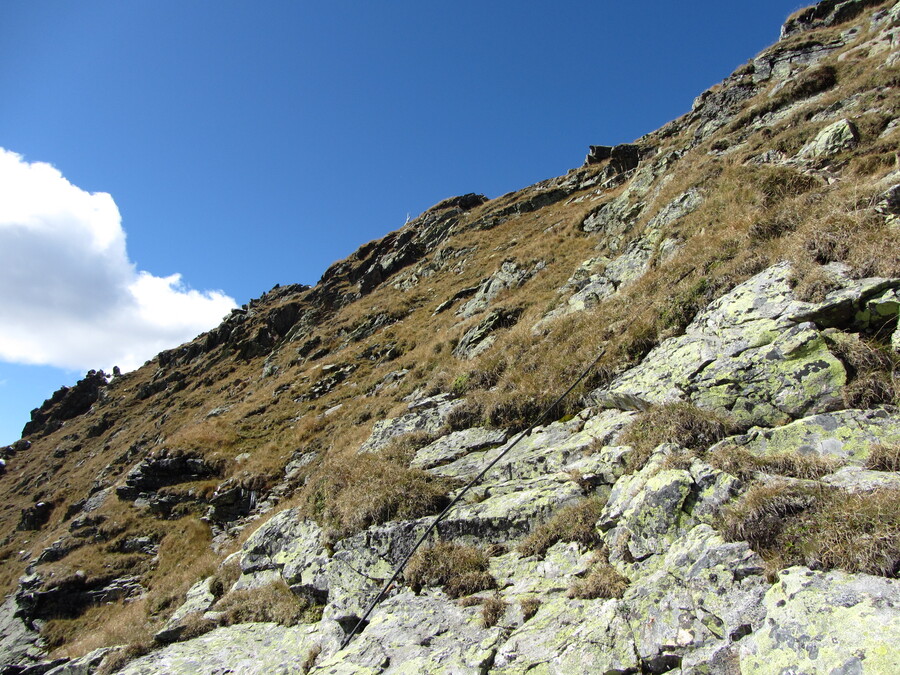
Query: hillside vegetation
[724, 477]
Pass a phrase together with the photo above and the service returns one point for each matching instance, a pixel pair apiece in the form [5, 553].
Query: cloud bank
[69, 295]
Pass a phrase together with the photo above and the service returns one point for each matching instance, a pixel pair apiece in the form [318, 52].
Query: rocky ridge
[747, 389]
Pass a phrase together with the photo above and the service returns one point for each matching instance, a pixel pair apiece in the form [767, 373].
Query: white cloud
[69, 295]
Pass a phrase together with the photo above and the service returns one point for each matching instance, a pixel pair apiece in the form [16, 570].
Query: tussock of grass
[873, 370]
[352, 493]
[529, 607]
[884, 457]
[492, 610]
[744, 464]
[575, 522]
[824, 528]
[602, 581]
[681, 423]
[457, 568]
[761, 513]
[270, 603]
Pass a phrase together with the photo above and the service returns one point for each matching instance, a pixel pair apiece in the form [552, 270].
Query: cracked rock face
[756, 352]
[826, 622]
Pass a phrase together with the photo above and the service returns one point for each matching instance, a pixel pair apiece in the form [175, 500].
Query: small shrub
[681, 423]
[529, 606]
[884, 457]
[492, 610]
[576, 522]
[744, 464]
[459, 569]
[273, 602]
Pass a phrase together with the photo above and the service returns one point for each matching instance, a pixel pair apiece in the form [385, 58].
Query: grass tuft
[457, 568]
[602, 581]
[681, 423]
[745, 465]
[820, 527]
[273, 602]
[492, 610]
[883, 457]
[576, 522]
[351, 494]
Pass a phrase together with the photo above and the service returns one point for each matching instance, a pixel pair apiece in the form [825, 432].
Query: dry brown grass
[530, 607]
[821, 527]
[745, 465]
[576, 522]
[101, 626]
[457, 568]
[311, 657]
[225, 577]
[873, 370]
[351, 493]
[184, 558]
[492, 610]
[273, 602]
[114, 662]
[602, 580]
[884, 457]
[681, 423]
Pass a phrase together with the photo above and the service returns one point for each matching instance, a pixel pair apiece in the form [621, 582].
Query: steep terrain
[720, 494]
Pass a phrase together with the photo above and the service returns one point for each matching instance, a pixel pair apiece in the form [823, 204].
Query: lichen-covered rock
[20, 643]
[647, 511]
[457, 444]
[549, 574]
[571, 636]
[85, 665]
[510, 275]
[836, 137]
[756, 352]
[557, 447]
[701, 596]
[826, 622]
[291, 546]
[247, 648]
[483, 334]
[413, 634]
[426, 415]
[199, 598]
[845, 434]
[858, 480]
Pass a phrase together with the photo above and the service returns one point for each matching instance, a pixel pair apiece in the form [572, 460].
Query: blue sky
[247, 144]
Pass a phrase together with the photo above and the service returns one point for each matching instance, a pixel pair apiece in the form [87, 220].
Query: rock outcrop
[241, 501]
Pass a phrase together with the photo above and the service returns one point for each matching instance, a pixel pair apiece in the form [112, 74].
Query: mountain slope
[722, 480]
